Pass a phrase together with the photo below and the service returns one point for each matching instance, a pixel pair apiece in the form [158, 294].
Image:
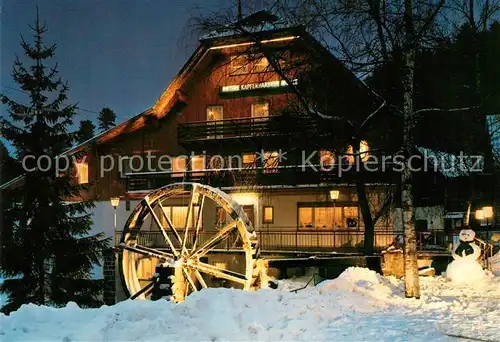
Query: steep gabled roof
[260, 22]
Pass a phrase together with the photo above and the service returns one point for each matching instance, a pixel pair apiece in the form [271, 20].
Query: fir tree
[49, 252]
[106, 119]
[85, 132]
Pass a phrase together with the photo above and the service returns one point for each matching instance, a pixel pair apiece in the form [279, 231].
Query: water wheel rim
[128, 259]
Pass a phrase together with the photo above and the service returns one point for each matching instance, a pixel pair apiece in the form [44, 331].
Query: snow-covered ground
[360, 305]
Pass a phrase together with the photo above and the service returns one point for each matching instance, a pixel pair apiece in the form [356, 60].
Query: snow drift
[358, 305]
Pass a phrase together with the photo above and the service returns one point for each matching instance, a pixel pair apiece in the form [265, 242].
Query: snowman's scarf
[464, 247]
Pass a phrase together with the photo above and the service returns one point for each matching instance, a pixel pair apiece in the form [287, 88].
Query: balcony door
[215, 115]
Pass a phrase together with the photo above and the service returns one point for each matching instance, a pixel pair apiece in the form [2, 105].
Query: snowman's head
[467, 235]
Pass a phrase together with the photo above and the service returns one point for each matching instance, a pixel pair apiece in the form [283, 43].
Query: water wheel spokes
[190, 245]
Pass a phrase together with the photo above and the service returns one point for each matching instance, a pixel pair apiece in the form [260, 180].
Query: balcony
[293, 240]
[279, 176]
[250, 130]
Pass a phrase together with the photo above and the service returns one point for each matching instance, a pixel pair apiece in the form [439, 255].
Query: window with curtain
[327, 216]
[260, 110]
[177, 215]
[178, 166]
[197, 164]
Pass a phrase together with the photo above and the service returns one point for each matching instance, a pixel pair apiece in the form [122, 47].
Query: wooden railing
[245, 127]
[292, 240]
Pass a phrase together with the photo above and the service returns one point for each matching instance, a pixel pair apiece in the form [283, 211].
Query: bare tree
[364, 34]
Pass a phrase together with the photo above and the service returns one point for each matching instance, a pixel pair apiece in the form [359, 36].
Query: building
[229, 119]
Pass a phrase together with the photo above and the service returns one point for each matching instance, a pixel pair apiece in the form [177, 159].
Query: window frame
[255, 104]
[250, 65]
[79, 166]
[195, 171]
[178, 173]
[170, 207]
[341, 205]
[264, 207]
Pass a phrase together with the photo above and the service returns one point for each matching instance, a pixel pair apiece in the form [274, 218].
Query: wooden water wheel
[184, 245]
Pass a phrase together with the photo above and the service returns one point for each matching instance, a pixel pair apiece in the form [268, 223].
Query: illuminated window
[239, 65]
[243, 64]
[197, 164]
[177, 215]
[215, 114]
[261, 64]
[351, 216]
[328, 217]
[178, 166]
[249, 159]
[363, 150]
[327, 159]
[82, 173]
[270, 162]
[260, 110]
[268, 214]
[350, 154]
[306, 217]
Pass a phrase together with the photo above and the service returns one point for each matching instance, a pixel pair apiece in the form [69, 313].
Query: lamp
[334, 194]
[115, 201]
[479, 214]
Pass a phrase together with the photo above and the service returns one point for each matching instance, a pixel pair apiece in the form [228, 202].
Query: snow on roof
[451, 165]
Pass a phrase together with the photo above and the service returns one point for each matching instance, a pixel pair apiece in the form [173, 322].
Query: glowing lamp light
[488, 212]
[115, 201]
[334, 194]
[479, 214]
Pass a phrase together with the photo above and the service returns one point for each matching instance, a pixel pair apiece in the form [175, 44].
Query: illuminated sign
[255, 86]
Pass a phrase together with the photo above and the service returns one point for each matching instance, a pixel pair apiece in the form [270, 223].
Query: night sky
[119, 54]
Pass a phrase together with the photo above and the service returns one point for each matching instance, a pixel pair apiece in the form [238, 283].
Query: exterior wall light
[334, 195]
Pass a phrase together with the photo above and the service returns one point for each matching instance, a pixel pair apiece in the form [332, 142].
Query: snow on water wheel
[153, 237]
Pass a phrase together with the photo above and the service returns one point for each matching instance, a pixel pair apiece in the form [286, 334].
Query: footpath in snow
[360, 305]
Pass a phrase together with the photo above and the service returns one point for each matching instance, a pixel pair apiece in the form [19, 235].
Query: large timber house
[228, 120]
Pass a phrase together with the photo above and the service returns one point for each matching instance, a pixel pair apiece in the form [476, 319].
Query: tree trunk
[412, 286]
[367, 218]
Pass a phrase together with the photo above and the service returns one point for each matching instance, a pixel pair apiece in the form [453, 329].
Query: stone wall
[109, 277]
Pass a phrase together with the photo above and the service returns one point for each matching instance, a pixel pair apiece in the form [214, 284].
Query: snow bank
[465, 271]
[495, 261]
[359, 305]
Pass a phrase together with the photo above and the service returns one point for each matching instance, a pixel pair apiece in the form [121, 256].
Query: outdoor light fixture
[334, 194]
[487, 212]
[479, 214]
[115, 201]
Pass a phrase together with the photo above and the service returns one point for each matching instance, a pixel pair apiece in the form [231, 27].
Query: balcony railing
[282, 175]
[245, 128]
[307, 241]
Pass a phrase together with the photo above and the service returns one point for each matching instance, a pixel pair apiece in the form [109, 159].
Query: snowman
[465, 267]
